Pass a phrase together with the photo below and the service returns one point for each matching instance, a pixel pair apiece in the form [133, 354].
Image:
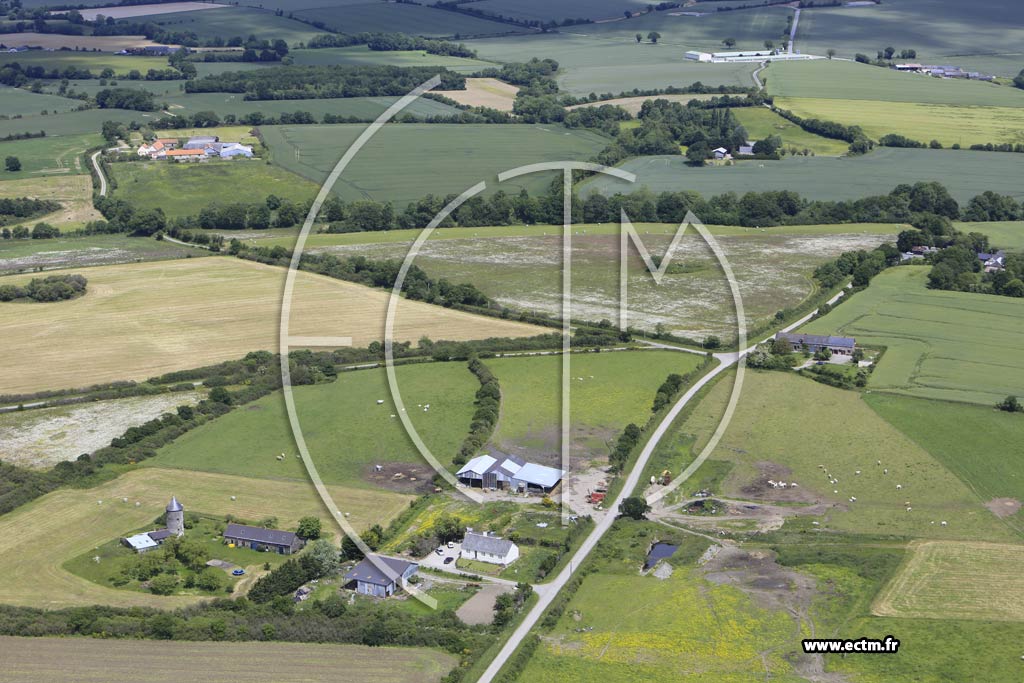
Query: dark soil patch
[402, 477]
[761, 489]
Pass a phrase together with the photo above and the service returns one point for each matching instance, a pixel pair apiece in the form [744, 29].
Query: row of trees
[50, 288]
[488, 407]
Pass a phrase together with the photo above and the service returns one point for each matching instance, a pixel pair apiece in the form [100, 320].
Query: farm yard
[34, 660]
[523, 272]
[32, 563]
[964, 173]
[391, 167]
[22, 256]
[221, 308]
[931, 341]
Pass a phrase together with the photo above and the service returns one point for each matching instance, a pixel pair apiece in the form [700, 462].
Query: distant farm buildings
[843, 346]
[259, 538]
[197, 148]
[384, 580]
[509, 473]
[175, 521]
[991, 263]
[943, 71]
[487, 548]
[743, 56]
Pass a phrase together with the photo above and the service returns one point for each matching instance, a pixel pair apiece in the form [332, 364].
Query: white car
[440, 551]
[451, 544]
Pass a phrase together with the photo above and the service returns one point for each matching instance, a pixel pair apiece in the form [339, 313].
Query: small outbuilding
[381, 576]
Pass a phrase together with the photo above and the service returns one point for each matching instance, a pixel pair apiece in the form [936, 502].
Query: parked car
[238, 572]
[451, 544]
[440, 550]
[449, 560]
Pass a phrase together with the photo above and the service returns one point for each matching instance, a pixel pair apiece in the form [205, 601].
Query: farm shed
[140, 543]
[815, 342]
[381, 576]
[258, 538]
[487, 548]
[508, 472]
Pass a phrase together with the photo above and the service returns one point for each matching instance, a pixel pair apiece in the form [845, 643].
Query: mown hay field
[961, 580]
[74, 192]
[947, 345]
[963, 124]
[43, 158]
[1007, 235]
[143, 319]
[485, 92]
[38, 538]
[95, 61]
[88, 660]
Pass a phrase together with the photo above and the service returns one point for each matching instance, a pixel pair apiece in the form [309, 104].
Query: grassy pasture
[964, 173]
[615, 389]
[142, 319]
[363, 107]
[345, 429]
[360, 54]
[74, 192]
[94, 250]
[228, 22]
[163, 184]
[800, 424]
[33, 660]
[961, 580]
[50, 156]
[540, 10]
[934, 346]
[841, 80]
[387, 17]
[1007, 235]
[761, 122]
[950, 124]
[393, 165]
[19, 102]
[85, 122]
[94, 61]
[32, 563]
[56, 41]
[521, 268]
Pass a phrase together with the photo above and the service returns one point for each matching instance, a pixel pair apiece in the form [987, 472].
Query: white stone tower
[175, 517]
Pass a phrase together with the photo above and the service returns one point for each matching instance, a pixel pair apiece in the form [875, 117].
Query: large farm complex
[509, 341]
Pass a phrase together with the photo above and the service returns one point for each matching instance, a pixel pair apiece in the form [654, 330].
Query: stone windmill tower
[175, 517]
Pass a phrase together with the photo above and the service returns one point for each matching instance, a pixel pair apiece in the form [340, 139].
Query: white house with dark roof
[259, 538]
[843, 346]
[487, 548]
[381, 576]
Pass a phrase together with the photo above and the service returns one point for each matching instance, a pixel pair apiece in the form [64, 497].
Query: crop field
[74, 192]
[595, 63]
[524, 272]
[950, 124]
[227, 22]
[94, 61]
[19, 102]
[540, 10]
[992, 42]
[760, 123]
[162, 184]
[56, 41]
[22, 256]
[1007, 235]
[48, 157]
[789, 423]
[387, 17]
[840, 80]
[75, 123]
[32, 565]
[34, 660]
[607, 392]
[949, 430]
[360, 54]
[964, 173]
[944, 580]
[143, 319]
[45, 436]
[392, 166]
[364, 107]
[933, 348]
[346, 431]
[91, 86]
[485, 92]
[145, 10]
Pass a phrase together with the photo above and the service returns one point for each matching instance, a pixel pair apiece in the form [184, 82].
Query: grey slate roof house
[370, 580]
[815, 342]
[487, 548]
[258, 538]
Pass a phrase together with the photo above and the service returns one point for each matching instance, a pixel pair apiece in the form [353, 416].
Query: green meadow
[387, 17]
[1007, 235]
[94, 61]
[234, 21]
[20, 102]
[761, 123]
[946, 345]
[49, 155]
[71, 123]
[366, 108]
[360, 54]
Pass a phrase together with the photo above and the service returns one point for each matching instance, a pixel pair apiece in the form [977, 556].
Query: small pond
[659, 551]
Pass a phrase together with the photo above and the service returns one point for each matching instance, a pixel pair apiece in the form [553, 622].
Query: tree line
[47, 289]
[487, 401]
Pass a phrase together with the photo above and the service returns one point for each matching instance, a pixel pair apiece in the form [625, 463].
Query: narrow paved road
[725, 361]
[757, 76]
[99, 172]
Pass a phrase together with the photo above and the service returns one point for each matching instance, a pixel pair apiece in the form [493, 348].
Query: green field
[360, 54]
[404, 162]
[234, 21]
[593, 63]
[162, 184]
[85, 122]
[19, 102]
[94, 250]
[49, 155]
[367, 108]
[965, 174]
[36, 660]
[608, 391]
[541, 10]
[94, 61]
[934, 349]
[841, 80]
[787, 421]
[965, 124]
[760, 123]
[346, 431]
[381, 17]
[1007, 235]
[92, 86]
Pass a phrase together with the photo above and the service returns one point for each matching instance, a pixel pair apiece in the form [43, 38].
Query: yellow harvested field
[38, 538]
[633, 104]
[957, 580]
[55, 41]
[123, 12]
[92, 660]
[949, 124]
[73, 192]
[484, 92]
[140, 320]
